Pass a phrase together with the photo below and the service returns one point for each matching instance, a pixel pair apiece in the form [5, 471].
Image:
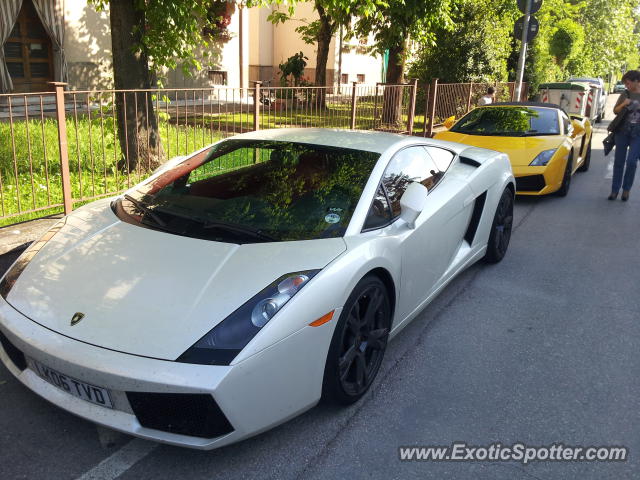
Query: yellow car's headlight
[543, 158]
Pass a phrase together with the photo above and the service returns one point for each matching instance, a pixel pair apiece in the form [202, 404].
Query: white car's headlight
[543, 158]
[221, 345]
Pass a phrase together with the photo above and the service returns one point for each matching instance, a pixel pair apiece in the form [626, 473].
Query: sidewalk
[18, 236]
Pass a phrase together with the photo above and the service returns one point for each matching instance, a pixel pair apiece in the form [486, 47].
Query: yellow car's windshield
[509, 121]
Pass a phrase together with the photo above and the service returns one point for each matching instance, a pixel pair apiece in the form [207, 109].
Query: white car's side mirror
[412, 202]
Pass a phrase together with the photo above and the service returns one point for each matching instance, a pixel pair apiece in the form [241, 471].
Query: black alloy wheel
[500, 228]
[359, 342]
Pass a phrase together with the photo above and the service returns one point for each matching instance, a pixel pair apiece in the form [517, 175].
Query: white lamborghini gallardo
[235, 288]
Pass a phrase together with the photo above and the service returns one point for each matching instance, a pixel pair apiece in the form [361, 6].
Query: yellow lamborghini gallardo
[544, 144]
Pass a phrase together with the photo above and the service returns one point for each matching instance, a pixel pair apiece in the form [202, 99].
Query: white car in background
[601, 96]
[235, 288]
[618, 88]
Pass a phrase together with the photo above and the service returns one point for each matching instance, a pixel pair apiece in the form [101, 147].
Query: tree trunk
[136, 118]
[324, 40]
[392, 100]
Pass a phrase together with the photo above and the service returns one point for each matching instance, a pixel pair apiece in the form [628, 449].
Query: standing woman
[627, 136]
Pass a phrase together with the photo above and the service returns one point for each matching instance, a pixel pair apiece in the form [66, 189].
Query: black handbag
[619, 118]
[608, 143]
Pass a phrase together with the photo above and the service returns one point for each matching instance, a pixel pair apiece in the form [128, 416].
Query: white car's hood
[146, 292]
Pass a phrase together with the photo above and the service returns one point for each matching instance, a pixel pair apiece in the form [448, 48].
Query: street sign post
[526, 34]
[535, 6]
[534, 25]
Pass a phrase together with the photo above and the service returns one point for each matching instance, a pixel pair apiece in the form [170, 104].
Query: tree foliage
[611, 35]
[293, 66]
[337, 13]
[174, 32]
[171, 32]
[475, 49]
[394, 21]
[576, 37]
[583, 38]
[567, 41]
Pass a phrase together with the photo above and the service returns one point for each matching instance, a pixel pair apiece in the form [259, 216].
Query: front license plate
[90, 393]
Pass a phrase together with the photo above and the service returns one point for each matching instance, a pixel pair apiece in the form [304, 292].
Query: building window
[361, 78]
[344, 78]
[28, 52]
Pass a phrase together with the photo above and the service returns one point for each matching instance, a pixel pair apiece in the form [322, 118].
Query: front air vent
[470, 161]
[14, 354]
[530, 183]
[196, 415]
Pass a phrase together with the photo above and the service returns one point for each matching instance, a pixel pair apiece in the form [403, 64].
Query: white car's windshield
[247, 191]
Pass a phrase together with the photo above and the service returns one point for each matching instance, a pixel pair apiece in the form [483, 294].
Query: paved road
[541, 348]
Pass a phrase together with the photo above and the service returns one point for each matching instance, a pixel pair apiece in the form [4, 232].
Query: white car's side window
[379, 214]
[412, 164]
[441, 157]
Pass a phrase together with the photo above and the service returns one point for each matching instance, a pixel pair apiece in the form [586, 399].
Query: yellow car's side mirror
[449, 122]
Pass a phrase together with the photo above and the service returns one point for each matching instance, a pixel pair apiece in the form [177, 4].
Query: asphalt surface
[541, 348]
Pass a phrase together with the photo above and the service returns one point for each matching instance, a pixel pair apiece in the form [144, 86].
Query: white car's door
[428, 249]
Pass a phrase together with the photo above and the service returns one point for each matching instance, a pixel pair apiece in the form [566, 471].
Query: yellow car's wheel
[587, 159]
[566, 179]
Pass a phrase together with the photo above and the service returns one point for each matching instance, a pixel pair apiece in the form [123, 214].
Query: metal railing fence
[64, 148]
[443, 100]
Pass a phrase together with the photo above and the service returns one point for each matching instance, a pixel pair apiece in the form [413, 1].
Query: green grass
[334, 116]
[33, 181]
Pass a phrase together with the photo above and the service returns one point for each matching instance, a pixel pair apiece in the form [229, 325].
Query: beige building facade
[32, 55]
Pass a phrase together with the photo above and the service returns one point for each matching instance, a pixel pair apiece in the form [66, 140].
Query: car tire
[587, 159]
[566, 179]
[358, 343]
[500, 228]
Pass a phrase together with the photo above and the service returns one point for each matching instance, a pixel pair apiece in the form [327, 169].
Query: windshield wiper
[205, 223]
[146, 209]
[230, 227]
